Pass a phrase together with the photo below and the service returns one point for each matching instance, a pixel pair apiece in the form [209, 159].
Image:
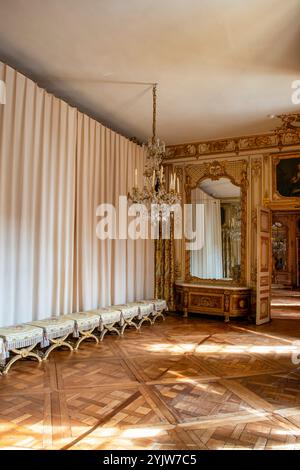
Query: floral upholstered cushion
[84, 321]
[128, 311]
[19, 336]
[108, 316]
[2, 352]
[55, 327]
[159, 304]
[145, 308]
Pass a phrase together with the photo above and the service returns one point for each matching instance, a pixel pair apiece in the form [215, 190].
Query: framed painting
[286, 176]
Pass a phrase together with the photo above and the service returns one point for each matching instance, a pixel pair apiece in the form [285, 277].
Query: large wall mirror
[220, 256]
[223, 214]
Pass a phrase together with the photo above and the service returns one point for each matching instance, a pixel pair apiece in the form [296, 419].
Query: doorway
[285, 300]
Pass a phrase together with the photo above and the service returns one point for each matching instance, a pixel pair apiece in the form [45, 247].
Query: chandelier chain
[154, 93]
[155, 190]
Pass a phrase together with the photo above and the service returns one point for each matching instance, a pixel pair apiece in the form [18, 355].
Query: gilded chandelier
[155, 189]
[233, 228]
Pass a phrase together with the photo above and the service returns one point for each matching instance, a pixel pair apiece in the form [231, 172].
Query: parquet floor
[285, 304]
[182, 384]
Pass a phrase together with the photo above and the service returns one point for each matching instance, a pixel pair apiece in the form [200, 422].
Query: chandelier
[155, 189]
[233, 228]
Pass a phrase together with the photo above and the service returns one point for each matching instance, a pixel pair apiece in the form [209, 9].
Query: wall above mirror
[220, 190]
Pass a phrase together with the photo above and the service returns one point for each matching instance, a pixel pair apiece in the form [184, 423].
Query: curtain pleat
[165, 267]
[37, 194]
[56, 166]
[207, 262]
[108, 271]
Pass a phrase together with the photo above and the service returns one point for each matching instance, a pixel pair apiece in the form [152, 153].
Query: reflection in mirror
[220, 256]
[279, 248]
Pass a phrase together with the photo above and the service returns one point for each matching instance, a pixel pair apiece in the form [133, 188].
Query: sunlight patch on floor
[170, 348]
[246, 348]
[141, 432]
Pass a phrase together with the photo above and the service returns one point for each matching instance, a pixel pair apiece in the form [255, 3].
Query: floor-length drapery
[207, 262]
[165, 266]
[107, 271]
[37, 195]
[56, 166]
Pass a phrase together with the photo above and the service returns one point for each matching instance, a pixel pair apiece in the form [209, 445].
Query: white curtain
[207, 262]
[107, 271]
[37, 194]
[56, 166]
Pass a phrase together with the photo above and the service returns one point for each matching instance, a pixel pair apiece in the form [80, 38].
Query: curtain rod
[96, 80]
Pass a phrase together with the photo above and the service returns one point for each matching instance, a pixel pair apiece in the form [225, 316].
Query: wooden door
[264, 265]
[298, 260]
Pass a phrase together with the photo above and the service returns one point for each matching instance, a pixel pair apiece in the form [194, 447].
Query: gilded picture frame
[286, 178]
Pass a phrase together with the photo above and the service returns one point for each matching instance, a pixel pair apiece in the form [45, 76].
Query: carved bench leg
[128, 322]
[146, 318]
[20, 354]
[158, 315]
[109, 328]
[57, 343]
[83, 336]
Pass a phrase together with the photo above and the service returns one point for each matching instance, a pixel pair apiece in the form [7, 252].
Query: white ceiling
[221, 188]
[222, 65]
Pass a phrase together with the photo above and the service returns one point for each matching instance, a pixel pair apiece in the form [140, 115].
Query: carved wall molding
[256, 167]
[289, 128]
[254, 274]
[235, 170]
[273, 140]
[179, 174]
[254, 217]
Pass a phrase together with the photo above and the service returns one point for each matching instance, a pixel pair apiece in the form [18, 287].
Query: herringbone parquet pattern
[181, 384]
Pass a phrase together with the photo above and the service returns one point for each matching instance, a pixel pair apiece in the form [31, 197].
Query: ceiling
[221, 188]
[222, 65]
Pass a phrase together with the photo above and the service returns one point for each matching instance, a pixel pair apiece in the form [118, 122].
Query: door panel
[264, 265]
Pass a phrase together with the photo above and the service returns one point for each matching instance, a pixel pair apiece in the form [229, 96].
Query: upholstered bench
[109, 320]
[55, 331]
[159, 306]
[52, 333]
[146, 310]
[85, 324]
[129, 313]
[19, 340]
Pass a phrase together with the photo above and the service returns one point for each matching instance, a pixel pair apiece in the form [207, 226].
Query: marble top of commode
[210, 286]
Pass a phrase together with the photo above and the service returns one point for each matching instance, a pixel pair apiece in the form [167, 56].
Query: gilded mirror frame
[236, 172]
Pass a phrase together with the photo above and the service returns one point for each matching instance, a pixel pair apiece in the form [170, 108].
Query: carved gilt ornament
[285, 135]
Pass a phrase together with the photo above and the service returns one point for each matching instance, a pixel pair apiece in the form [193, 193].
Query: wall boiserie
[258, 153]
